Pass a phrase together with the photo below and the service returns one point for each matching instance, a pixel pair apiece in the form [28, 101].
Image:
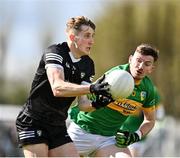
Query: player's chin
[139, 77]
[87, 52]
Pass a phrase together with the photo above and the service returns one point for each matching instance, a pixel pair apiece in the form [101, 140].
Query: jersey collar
[74, 60]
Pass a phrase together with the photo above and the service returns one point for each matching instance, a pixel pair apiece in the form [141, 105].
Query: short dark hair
[147, 49]
[77, 22]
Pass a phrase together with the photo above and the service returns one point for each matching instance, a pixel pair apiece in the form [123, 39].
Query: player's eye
[148, 63]
[139, 60]
[87, 35]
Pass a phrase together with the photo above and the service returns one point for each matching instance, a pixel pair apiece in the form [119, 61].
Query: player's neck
[137, 81]
[74, 51]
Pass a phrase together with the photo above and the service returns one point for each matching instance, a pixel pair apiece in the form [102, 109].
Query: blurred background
[27, 27]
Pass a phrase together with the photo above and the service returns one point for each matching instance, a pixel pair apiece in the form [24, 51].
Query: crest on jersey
[82, 74]
[39, 133]
[143, 95]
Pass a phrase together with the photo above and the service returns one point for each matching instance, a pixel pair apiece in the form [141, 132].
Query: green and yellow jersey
[107, 120]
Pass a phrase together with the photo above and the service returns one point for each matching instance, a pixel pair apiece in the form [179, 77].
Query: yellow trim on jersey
[157, 106]
[137, 82]
[126, 106]
[150, 109]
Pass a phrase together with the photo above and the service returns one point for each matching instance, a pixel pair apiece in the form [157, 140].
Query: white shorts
[87, 143]
[140, 147]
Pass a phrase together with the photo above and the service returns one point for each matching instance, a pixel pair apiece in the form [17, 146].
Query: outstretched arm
[60, 88]
[125, 138]
[148, 123]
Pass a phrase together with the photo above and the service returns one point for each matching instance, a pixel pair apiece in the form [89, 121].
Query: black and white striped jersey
[41, 103]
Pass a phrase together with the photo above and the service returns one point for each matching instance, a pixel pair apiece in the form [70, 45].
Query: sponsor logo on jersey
[126, 106]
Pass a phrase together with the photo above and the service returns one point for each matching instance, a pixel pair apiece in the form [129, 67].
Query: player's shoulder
[123, 67]
[57, 48]
[148, 80]
[86, 59]
[148, 83]
[118, 67]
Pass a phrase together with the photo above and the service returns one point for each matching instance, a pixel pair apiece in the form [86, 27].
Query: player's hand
[101, 101]
[125, 138]
[100, 87]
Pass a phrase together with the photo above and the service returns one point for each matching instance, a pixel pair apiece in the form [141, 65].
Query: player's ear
[152, 69]
[130, 58]
[72, 37]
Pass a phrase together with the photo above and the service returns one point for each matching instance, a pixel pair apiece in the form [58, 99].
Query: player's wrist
[91, 88]
[139, 133]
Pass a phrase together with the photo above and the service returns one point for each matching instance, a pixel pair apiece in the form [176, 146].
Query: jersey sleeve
[150, 102]
[157, 97]
[53, 58]
[149, 94]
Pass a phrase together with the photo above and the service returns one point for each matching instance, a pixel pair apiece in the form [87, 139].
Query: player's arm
[149, 121]
[90, 105]
[92, 102]
[85, 104]
[149, 113]
[125, 138]
[60, 88]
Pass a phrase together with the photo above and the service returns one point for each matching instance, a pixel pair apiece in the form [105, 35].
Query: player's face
[85, 40]
[141, 65]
